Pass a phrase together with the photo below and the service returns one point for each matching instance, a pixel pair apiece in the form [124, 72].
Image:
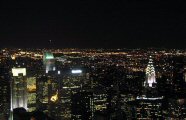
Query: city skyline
[93, 24]
[92, 60]
[92, 84]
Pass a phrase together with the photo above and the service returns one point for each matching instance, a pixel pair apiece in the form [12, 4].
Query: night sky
[93, 24]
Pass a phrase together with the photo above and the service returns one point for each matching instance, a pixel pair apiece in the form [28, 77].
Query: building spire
[150, 74]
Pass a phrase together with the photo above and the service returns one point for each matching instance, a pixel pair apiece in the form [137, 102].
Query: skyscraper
[48, 61]
[42, 97]
[150, 74]
[72, 83]
[19, 88]
[149, 105]
[31, 93]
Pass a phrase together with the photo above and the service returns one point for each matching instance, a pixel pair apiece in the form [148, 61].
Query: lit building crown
[150, 73]
[48, 55]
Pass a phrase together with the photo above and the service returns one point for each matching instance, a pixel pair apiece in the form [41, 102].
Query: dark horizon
[59, 45]
[93, 24]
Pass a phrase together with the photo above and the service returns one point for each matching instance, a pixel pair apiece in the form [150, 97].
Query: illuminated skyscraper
[55, 89]
[150, 74]
[72, 83]
[31, 93]
[19, 88]
[48, 61]
[42, 97]
[149, 105]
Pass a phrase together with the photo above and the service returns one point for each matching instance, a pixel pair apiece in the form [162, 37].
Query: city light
[93, 60]
[146, 98]
[76, 71]
[17, 71]
[49, 57]
[54, 98]
[81, 82]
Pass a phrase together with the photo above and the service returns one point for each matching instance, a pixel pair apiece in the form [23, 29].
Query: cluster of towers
[59, 92]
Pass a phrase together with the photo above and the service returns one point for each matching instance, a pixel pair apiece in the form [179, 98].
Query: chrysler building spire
[150, 74]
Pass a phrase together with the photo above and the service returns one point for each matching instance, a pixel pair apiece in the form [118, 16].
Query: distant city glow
[17, 71]
[76, 71]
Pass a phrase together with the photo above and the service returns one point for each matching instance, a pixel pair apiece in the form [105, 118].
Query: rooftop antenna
[50, 43]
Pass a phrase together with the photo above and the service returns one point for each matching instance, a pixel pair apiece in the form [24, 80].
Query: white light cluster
[17, 71]
[76, 71]
[146, 98]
